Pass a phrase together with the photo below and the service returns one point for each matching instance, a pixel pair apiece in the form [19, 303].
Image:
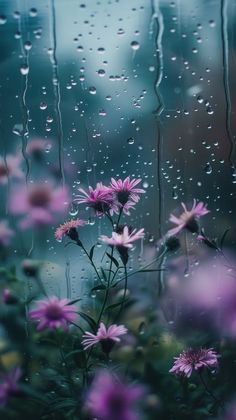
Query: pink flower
[53, 313]
[194, 359]
[40, 202]
[69, 229]
[100, 199]
[125, 191]
[108, 398]
[188, 218]
[5, 233]
[10, 167]
[8, 385]
[124, 239]
[107, 336]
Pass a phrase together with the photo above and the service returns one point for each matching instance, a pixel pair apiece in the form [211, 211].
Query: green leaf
[91, 252]
[113, 259]
[104, 274]
[73, 301]
[223, 237]
[115, 305]
[90, 321]
[99, 287]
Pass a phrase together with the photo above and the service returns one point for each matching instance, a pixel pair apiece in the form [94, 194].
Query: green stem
[209, 392]
[125, 292]
[90, 259]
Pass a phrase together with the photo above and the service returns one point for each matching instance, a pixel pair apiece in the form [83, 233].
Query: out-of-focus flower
[37, 147]
[100, 199]
[5, 233]
[231, 413]
[53, 313]
[8, 385]
[187, 220]
[194, 359]
[69, 229]
[106, 336]
[40, 201]
[126, 192]
[30, 267]
[8, 297]
[10, 168]
[124, 239]
[109, 399]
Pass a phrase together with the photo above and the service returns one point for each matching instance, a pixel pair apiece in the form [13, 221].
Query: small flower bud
[30, 268]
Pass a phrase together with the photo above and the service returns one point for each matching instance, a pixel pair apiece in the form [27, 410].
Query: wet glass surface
[114, 88]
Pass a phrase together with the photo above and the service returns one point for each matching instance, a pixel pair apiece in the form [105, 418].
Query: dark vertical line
[57, 93]
[156, 17]
[225, 52]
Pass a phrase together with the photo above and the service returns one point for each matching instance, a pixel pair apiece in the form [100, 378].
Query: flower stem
[125, 292]
[90, 259]
[209, 392]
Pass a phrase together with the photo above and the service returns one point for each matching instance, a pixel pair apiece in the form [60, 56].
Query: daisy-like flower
[53, 313]
[8, 385]
[125, 190]
[106, 336]
[100, 199]
[108, 398]
[10, 168]
[188, 218]
[123, 239]
[69, 229]
[194, 359]
[40, 202]
[5, 233]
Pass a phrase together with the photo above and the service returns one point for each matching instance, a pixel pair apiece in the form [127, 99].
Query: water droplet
[3, 19]
[24, 69]
[135, 45]
[43, 106]
[33, 12]
[130, 140]
[92, 90]
[208, 169]
[101, 72]
[27, 45]
[142, 328]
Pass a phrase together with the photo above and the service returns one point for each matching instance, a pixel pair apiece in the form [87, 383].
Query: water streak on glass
[225, 51]
[158, 19]
[56, 88]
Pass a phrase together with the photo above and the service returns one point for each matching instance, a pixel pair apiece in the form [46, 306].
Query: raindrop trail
[24, 107]
[225, 52]
[68, 282]
[157, 17]
[57, 92]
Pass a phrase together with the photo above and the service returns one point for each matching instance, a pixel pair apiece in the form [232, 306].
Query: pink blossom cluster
[119, 195]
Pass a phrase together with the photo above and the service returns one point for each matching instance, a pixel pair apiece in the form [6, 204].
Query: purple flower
[109, 399]
[10, 167]
[69, 229]
[106, 336]
[188, 218]
[126, 193]
[40, 202]
[124, 239]
[194, 359]
[53, 313]
[5, 233]
[100, 199]
[8, 385]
